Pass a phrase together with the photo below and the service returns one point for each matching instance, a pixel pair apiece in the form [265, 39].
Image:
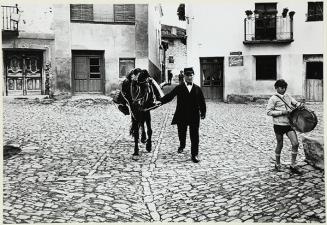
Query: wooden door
[314, 81]
[212, 77]
[23, 73]
[88, 75]
[314, 90]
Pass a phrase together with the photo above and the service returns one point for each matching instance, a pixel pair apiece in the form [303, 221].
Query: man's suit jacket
[190, 105]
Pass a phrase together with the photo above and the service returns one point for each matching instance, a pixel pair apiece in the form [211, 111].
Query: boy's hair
[280, 83]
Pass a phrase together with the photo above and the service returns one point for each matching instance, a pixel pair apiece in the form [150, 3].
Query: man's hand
[203, 116]
[301, 106]
[285, 112]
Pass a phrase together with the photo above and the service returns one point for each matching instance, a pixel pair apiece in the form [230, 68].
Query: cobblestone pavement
[76, 166]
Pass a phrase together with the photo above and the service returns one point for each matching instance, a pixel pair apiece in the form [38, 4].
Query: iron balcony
[268, 29]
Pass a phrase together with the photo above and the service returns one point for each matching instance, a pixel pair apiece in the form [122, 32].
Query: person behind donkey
[181, 77]
[190, 107]
[170, 76]
[278, 108]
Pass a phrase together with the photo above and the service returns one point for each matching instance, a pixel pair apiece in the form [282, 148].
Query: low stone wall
[259, 99]
[314, 151]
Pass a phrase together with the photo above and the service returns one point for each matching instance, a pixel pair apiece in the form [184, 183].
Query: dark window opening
[95, 68]
[314, 70]
[265, 24]
[266, 67]
[105, 13]
[315, 11]
[171, 59]
[125, 66]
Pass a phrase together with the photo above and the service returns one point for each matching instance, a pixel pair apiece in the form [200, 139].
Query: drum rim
[294, 125]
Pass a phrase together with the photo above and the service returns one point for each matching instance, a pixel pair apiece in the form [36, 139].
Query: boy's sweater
[275, 107]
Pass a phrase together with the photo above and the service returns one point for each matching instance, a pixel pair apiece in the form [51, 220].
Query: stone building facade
[86, 48]
[27, 49]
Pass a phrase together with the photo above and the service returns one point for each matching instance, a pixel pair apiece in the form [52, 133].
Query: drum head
[303, 120]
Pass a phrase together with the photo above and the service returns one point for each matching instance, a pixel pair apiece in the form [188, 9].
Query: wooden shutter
[124, 12]
[103, 12]
[81, 12]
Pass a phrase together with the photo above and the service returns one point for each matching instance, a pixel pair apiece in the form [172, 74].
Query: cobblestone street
[76, 166]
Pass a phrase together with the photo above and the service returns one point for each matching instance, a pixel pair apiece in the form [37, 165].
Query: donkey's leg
[143, 135]
[135, 132]
[148, 126]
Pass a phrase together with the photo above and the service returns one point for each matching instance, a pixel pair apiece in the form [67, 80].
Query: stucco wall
[216, 29]
[63, 54]
[116, 40]
[141, 37]
[154, 28]
[36, 18]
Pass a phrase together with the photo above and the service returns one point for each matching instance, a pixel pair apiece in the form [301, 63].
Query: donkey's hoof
[143, 140]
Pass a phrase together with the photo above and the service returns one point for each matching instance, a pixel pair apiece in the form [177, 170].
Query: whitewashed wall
[36, 18]
[216, 29]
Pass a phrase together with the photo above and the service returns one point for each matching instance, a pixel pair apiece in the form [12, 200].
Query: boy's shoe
[277, 167]
[296, 170]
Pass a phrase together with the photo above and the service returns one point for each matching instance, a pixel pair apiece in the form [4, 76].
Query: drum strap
[284, 102]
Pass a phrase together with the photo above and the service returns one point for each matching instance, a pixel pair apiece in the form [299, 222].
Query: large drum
[303, 120]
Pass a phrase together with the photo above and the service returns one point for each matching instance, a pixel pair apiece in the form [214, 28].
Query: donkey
[140, 92]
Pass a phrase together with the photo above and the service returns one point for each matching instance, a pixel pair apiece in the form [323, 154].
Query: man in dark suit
[190, 106]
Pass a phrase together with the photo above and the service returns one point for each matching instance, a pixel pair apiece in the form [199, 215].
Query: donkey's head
[141, 91]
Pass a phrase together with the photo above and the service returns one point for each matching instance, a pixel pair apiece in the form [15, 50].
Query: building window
[314, 70]
[81, 12]
[103, 13]
[315, 11]
[125, 66]
[265, 24]
[171, 59]
[266, 67]
[95, 67]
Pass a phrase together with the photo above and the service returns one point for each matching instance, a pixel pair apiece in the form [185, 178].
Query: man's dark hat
[188, 70]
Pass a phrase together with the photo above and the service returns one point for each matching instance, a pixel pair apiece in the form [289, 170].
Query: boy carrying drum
[277, 107]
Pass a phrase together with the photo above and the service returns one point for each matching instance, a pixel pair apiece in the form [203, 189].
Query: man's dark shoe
[296, 170]
[180, 150]
[277, 167]
[195, 159]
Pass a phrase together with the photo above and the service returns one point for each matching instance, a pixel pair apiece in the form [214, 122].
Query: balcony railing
[269, 29]
[10, 18]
